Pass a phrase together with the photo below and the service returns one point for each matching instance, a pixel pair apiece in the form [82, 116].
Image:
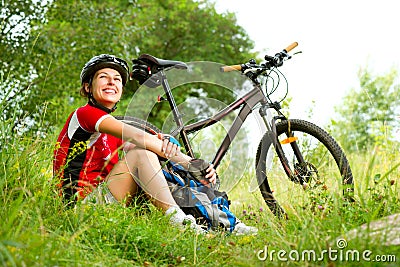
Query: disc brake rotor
[304, 173]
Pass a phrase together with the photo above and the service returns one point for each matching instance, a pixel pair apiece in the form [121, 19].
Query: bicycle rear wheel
[139, 123]
[310, 160]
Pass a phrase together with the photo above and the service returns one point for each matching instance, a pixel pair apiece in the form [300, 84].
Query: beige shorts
[100, 195]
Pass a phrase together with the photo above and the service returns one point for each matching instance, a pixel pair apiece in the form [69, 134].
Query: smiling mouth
[110, 91]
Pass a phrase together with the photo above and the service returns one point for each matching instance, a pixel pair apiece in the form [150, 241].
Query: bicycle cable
[274, 86]
[287, 87]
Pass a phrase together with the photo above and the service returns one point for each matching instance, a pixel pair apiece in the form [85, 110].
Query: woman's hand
[202, 171]
[199, 168]
[211, 174]
[170, 146]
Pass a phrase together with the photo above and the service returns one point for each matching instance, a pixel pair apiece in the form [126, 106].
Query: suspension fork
[294, 174]
[289, 134]
[271, 127]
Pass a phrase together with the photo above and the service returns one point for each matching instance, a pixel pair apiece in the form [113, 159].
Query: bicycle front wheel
[311, 167]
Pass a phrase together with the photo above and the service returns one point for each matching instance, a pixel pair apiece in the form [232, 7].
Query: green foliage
[63, 35]
[196, 92]
[236, 161]
[369, 117]
[17, 19]
[36, 229]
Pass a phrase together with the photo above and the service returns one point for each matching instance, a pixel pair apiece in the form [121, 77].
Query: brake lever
[290, 56]
[251, 70]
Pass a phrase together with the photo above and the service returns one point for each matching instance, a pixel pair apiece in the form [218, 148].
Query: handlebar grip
[231, 68]
[290, 47]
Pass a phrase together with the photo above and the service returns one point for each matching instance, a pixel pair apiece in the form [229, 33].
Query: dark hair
[83, 92]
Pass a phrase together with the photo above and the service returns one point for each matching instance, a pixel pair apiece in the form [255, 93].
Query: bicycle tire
[322, 142]
[139, 123]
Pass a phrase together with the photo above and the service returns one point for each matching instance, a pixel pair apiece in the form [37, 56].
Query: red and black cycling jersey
[83, 156]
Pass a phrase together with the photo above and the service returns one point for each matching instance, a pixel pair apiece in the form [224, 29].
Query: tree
[74, 31]
[18, 18]
[369, 116]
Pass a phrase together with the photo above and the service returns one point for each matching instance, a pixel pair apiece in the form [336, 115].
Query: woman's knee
[137, 155]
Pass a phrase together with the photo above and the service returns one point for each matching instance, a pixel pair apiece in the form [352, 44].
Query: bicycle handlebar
[275, 61]
[291, 47]
[231, 68]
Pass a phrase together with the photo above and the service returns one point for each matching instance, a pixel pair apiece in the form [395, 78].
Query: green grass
[36, 231]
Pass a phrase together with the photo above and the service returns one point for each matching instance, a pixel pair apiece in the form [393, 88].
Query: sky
[336, 38]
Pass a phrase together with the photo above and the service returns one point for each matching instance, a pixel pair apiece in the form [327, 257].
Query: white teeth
[109, 91]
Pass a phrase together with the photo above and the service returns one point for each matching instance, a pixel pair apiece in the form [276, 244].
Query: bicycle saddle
[163, 62]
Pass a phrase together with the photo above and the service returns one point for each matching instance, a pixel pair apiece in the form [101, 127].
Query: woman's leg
[140, 167]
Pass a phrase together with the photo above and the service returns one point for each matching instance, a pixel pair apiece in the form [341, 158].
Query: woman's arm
[151, 142]
[142, 139]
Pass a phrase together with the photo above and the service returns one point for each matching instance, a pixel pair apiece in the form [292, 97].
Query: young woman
[86, 158]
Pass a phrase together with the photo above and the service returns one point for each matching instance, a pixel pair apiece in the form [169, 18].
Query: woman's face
[107, 87]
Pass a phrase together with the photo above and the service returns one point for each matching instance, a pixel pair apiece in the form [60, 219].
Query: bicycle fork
[295, 175]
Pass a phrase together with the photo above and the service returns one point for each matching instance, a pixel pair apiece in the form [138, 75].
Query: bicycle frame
[247, 102]
[279, 129]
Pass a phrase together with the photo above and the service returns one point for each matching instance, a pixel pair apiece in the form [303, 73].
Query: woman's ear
[86, 85]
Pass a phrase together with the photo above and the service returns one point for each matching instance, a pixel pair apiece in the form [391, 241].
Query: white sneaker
[180, 219]
[177, 215]
[191, 221]
[242, 229]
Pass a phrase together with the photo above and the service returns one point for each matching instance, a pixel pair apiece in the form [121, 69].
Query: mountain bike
[308, 156]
